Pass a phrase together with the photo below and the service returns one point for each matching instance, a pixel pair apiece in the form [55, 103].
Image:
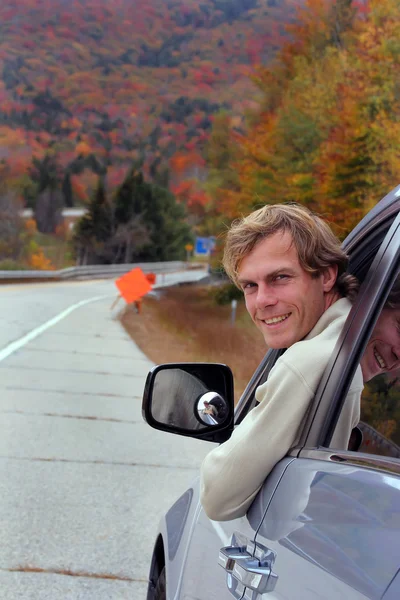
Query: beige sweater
[233, 473]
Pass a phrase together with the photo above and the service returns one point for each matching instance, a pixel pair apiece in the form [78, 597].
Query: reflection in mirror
[174, 398]
[380, 402]
[211, 408]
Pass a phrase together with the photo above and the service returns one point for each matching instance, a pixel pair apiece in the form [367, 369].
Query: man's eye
[281, 277]
[248, 286]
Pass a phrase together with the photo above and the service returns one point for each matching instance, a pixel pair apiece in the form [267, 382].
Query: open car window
[339, 375]
[380, 366]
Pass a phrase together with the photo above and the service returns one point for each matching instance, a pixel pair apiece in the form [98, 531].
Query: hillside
[127, 79]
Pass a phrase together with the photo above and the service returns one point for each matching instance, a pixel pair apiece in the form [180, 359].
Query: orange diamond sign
[133, 285]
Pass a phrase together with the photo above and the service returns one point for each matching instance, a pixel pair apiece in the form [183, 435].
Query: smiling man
[292, 271]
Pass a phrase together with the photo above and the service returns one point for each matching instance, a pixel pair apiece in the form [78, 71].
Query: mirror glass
[175, 399]
[211, 408]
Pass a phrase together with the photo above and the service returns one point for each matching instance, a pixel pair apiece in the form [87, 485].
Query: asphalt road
[83, 481]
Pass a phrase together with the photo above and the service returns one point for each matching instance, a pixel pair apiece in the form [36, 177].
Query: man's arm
[232, 474]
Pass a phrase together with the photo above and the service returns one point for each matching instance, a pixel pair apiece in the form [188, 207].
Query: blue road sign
[202, 246]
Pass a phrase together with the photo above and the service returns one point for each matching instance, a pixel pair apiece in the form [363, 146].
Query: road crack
[99, 462]
[61, 416]
[15, 388]
[79, 371]
[69, 573]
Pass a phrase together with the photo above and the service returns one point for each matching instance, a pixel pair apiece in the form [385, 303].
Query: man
[293, 274]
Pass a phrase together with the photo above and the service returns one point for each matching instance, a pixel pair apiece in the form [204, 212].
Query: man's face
[382, 353]
[283, 300]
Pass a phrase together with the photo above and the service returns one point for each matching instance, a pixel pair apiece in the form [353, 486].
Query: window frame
[248, 400]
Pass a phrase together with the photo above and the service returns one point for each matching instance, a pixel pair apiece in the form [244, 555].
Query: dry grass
[184, 325]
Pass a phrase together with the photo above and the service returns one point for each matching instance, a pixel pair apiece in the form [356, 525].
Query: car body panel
[176, 530]
[210, 582]
[393, 591]
[341, 519]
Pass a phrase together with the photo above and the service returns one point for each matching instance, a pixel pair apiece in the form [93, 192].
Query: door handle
[254, 576]
[229, 555]
[246, 571]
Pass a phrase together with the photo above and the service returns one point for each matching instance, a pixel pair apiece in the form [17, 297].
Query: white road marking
[14, 346]
[225, 539]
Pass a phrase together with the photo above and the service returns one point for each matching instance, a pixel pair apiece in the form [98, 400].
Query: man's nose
[265, 297]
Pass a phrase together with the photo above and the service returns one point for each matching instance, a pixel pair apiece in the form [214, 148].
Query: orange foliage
[183, 162]
[40, 262]
[195, 199]
[83, 149]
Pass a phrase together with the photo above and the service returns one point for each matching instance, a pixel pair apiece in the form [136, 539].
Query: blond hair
[316, 244]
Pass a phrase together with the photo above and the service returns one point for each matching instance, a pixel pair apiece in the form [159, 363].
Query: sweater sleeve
[232, 473]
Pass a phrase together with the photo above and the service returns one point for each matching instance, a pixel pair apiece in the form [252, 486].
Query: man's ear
[329, 276]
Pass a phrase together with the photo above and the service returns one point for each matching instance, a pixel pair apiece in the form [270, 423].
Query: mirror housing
[190, 399]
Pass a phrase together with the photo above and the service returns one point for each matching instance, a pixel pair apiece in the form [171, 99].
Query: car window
[380, 367]
[343, 377]
[380, 401]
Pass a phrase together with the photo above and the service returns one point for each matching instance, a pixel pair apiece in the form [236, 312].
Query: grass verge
[185, 325]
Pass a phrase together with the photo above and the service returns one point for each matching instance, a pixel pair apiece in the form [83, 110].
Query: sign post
[188, 248]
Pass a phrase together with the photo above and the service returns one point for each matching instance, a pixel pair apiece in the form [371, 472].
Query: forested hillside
[101, 83]
[226, 105]
[329, 129]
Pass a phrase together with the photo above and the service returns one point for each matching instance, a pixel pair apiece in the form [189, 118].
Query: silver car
[326, 523]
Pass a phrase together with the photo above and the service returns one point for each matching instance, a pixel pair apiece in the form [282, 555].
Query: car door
[331, 529]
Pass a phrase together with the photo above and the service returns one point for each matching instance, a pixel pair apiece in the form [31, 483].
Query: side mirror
[192, 399]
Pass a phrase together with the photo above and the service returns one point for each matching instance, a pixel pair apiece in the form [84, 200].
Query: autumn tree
[221, 154]
[326, 134]
[360, 160]
[220, 157]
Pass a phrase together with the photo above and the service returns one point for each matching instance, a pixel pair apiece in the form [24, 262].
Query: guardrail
[96, 271]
